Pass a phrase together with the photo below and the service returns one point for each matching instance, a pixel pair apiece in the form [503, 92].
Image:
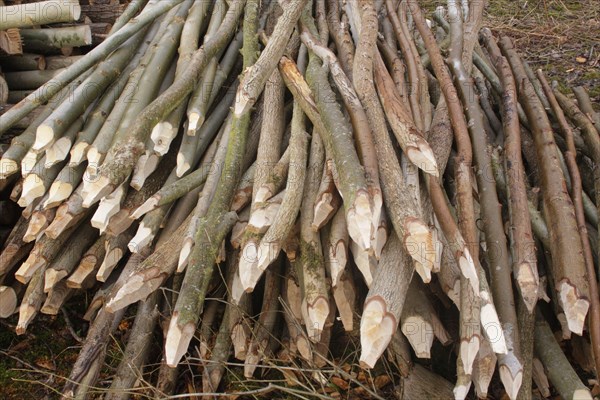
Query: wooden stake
[385, 301]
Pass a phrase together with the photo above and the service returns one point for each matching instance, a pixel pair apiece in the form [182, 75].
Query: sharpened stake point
[416, 330]
[184, 254]
[145, 208]
[58, 192]
[574, 306]
[492, 328]
[177, 341]
[468, 352]
[94, 190]
[317, 314]
[141, 239]
[423, 158]
[376, 330]
[511, 380]
[7, 168]
[248, 267]
[193, 123]
[33, 188]
[44, 136]
[359, 219]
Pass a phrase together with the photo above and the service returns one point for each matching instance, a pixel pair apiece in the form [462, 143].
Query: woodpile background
[302, 198]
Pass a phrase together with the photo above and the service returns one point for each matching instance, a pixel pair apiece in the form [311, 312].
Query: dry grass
[560, 36]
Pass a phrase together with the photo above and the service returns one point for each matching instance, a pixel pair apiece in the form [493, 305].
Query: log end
[8, 301]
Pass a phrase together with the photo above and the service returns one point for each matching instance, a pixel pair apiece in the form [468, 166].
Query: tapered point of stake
[36, 224]
[461, 391]
[417, 331]
[263, 194]
[468, 352]
[33, 188]
[61, 221]
[248, 266]
[182, 165]
[423, 158]
[184, 254]
[52, 277]
[162, 135]
[58, 151]
[267, 253]
[468, 269]
[377, 327]
[28, 268]
[111, 259]
[359, 220]
[574, 306]
[59, 192]
[339, 258]
[28, 162]
[193, 123]
[241, 102]
[178, 340]
[78, 153]
[142, 238]
[44, 136]
[511, 379]
[492, 327]
[26, 314]
[148, 206]
[94, 190]
[7, 168]
[317, 313]
[122, 299]
[529, 285]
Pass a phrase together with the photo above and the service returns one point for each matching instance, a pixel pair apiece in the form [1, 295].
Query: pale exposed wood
[385, 301]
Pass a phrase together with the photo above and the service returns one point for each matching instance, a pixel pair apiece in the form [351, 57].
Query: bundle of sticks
[254, 176]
